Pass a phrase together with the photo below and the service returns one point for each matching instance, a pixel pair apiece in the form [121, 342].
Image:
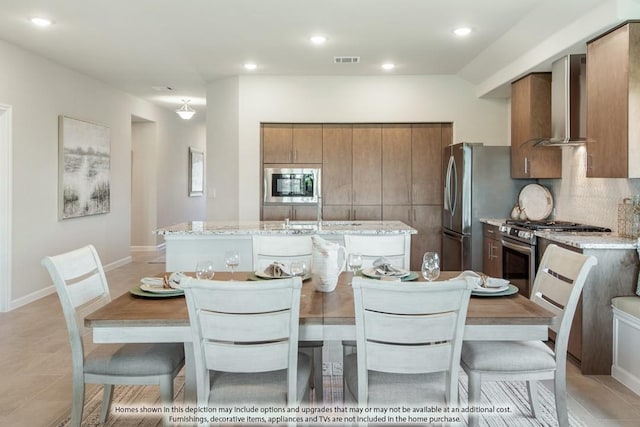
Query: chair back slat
[414, 359]
[372, 247]
[231, 297]
[284, 249]
[414, 299]
[410, 329]
[270, 326]
[262, 357]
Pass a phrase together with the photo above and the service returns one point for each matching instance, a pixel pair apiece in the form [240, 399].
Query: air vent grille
[346, 59]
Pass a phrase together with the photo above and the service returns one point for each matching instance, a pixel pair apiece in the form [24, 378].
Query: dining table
[324, 316]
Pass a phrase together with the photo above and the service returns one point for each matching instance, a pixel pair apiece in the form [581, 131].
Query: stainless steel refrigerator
[477, 184]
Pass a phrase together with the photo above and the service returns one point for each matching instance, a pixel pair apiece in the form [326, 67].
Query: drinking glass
[232, 260]
[355, 262]
[204, 270]
[430, 266]
[298, 268]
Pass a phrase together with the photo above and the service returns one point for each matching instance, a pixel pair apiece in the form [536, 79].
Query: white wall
[144, 191]
[38, 91]
[335, 99]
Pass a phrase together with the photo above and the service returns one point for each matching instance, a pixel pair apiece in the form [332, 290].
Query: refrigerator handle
[447, 186]
[454, 169]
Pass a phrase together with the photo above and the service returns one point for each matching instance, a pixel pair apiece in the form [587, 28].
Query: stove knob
[525, 234]
[504, 229]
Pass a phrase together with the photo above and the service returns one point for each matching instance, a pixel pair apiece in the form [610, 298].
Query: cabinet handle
[355, 214]
[490, 247]
[294, 213]
[526, 166]
[414, 216]
[295, 155]
[490, 231]
[589, 161]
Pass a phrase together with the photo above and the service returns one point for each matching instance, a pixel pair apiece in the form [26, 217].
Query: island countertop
[237, 228]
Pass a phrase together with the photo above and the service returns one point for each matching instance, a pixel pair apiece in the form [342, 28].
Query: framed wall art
[84, 168]
[196, 172]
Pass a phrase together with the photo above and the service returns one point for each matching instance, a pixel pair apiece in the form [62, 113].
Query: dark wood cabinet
[492, 251]
[337, 155]
[396, 162]
[613, 74]
[367, 165]
[294, 213]
[530, 120]
[291, 143]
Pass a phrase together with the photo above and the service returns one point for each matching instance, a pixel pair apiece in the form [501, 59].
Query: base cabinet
[492, 251]
[294, 213]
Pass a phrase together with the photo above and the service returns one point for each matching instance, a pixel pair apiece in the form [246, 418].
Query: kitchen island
[189, 242]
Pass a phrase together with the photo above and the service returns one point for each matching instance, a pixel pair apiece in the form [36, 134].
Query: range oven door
[519, 264]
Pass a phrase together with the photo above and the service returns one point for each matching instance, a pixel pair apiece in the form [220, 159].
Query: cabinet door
[607, 106]
[305, 213]
[336, 165]
[277, 142]
[367, 164]
[397, 213]
[531, 119]
[307, 143]
[396, 164]
[426, 161]
[276, 213]
[336, 213]
[492, 257]
[367, 213]
[427, 220]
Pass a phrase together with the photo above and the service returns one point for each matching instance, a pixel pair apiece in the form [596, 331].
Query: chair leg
[166, 397]
[532, 390]
[475, 389]
[77, 403]
[316, 360]
[107, 396]
[560, 388]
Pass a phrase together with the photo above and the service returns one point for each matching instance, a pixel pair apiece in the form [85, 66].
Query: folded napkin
[277, 269]
[152, 281]
[477, 279]
[493, 282]
[383, 267]
[484, 281]
[175, 279]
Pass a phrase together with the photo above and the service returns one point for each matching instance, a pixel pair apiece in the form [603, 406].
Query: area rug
[512, 395]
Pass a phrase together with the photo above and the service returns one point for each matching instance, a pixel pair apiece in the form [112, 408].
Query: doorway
[6, 168]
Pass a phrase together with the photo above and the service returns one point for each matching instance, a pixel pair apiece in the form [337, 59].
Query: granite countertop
[210, 228]
[579, 240]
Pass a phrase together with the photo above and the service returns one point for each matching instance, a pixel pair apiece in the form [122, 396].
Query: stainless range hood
[568, 103]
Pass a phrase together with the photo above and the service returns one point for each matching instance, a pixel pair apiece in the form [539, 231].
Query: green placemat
[140, 293]
[413, 275]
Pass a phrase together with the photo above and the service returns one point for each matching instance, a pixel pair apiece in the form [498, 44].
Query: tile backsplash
[591, 201]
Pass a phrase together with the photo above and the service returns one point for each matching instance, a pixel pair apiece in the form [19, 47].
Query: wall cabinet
[531, 119]
[492, 251]
[613, 75]
[294, 213]
[292, 143]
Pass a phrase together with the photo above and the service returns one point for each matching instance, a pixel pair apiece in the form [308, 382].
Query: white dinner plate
[483, 290]
[155, 289]
[371, 272]
[536, 201]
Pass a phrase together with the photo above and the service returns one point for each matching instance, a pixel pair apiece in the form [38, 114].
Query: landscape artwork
[85, 163]
[196, 172]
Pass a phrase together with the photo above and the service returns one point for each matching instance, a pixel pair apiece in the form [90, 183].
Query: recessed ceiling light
[318, 40]
[250, 66]
[462, 31]
[41, 22]
[388, 66]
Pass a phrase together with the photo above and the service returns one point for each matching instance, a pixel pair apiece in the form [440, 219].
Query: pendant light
[185, 111]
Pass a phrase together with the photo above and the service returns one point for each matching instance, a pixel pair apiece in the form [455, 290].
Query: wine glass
[355, 262]
[298, 268]
[204, 270]
[430, 266]
[232, 260]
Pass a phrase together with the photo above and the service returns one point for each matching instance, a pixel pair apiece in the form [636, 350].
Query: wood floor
[35, 364]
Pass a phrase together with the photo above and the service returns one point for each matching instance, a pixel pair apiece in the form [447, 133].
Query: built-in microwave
[291, 185]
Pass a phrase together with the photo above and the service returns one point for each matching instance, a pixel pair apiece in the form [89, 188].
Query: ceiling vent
[346, 59]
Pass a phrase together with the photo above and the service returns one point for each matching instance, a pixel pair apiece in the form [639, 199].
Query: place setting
[167, 286]
[381, 269]
[279, 270]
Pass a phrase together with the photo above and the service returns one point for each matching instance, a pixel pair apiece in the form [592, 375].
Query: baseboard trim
[34, 296]
[626, 378]
[159, 247]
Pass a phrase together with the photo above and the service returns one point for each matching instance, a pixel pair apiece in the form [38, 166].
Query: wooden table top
[327, 307]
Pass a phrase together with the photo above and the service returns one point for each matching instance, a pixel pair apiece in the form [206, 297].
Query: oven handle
[516, 247]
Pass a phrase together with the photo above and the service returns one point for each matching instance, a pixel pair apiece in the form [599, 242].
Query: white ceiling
[136, 44]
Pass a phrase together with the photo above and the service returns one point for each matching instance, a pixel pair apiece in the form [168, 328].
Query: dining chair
[82, 287]
[393, 247]
[557, 288]
[286, 249]
[409, 338]
[245, 339]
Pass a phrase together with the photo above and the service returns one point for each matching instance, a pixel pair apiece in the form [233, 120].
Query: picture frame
[84, 168]
[196, 172]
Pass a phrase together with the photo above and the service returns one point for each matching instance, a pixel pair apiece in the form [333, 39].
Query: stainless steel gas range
[519, 248]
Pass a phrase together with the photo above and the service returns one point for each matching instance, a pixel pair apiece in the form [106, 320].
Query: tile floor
[35, 364]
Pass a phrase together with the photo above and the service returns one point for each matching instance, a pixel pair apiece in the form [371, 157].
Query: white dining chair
[82, 287]
[409, 338]
[393, 247]
[287, 249]
[245, 339]
[557, 288]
